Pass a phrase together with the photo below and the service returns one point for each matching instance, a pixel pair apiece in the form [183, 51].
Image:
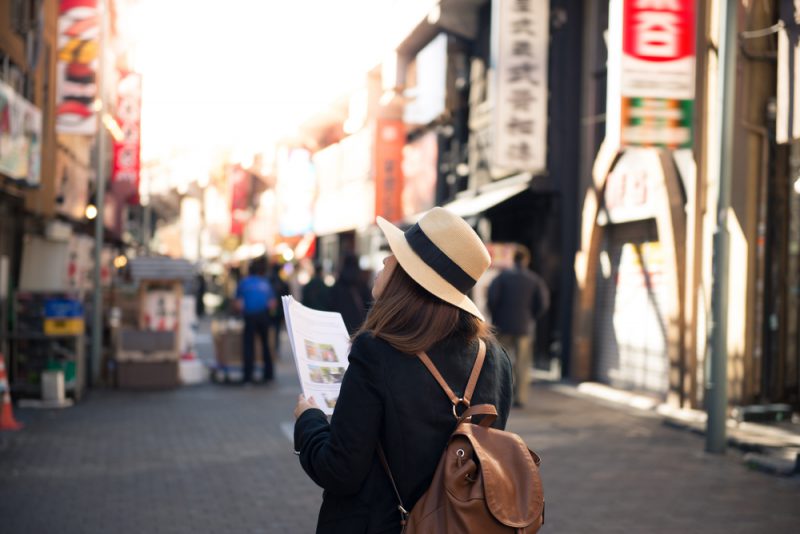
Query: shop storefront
[630, 315]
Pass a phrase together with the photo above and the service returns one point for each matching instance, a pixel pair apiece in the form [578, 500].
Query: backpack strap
[403, 512]
[473, 377]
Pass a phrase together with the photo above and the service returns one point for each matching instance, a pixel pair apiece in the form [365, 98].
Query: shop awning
[160, 268]
[487, 198]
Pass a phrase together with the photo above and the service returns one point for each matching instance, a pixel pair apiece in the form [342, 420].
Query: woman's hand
[304, 404]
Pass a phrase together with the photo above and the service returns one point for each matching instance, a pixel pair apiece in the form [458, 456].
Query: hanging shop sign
[389, 140]
[76, 88]
[519, 51]
[126, 149]
[295, 190]
[239, 181]
[345, 192]
[420, 169]
[428, 83]
[20, 137]
[787, 118]
[651, 72]
[633, 187]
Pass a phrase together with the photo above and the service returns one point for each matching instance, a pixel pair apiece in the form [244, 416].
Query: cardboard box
[148, 375]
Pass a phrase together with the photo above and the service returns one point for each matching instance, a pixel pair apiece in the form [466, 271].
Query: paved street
[216, 458]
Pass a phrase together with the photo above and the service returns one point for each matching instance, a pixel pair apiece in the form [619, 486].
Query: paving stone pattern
[214, 458]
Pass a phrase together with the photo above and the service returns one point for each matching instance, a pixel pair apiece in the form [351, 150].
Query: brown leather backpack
[487, 480]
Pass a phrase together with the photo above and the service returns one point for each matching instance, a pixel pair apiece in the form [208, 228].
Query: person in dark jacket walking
[276, 318]
[350, 295]
[517, 297]
[387, 396]
[316, 294]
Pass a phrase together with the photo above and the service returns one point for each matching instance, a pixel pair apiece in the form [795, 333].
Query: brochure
[320, 345]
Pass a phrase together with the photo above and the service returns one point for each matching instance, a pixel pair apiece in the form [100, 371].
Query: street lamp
[90, 212]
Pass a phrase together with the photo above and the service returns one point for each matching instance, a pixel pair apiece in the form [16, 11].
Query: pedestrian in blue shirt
[256, 298]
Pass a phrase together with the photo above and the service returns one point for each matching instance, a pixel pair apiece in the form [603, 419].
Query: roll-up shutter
[630, 349]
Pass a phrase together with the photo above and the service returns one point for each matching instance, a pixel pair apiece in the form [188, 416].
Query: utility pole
[100, 193]
[716, 396]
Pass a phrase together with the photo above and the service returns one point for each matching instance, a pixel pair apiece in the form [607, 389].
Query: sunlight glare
[242, 73]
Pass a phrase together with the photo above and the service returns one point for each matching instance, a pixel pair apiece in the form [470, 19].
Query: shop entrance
[630, 320]
[532, 219]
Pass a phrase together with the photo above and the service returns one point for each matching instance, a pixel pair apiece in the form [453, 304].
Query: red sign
[390, 138]
[658, 30]
[651, 72]
[78, 62]
[126, 150]
[239, 181]
[420, 171]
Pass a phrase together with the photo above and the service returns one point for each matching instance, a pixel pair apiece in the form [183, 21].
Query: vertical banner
[787, 118]
[296, 189]
[420, 171]
[239, 181]
[651, 72]
[125, 173]
[20, 137]
[76, 78]
[390, 138]
[520, 38]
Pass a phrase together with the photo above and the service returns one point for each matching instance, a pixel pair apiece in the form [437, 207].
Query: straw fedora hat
[442, 253]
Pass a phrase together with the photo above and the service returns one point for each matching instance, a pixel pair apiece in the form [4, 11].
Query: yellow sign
[64, 326]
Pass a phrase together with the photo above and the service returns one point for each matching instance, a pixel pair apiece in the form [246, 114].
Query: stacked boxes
[63, 317]
[147, 359]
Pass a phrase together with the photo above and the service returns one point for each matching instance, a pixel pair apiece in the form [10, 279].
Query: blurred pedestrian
[277, 318]
[517, 297]
[316, 293]
[256, 299]
[200, 305]
[350, 295]
[388, 398]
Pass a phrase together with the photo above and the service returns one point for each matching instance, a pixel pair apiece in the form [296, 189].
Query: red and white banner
[128, 116]
[239, 185]
[78, 46]
[651, 72]
[658, 49]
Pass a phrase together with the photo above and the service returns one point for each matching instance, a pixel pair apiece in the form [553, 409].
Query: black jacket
[517, 297]
[390, 397]
[316, 294]
[351, 298]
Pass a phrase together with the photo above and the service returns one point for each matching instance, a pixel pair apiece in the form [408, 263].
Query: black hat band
[438, 260]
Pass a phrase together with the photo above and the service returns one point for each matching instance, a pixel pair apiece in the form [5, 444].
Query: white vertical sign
[788, 101]
[520, 37]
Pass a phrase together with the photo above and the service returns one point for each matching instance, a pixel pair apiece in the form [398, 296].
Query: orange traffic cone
[7, 421]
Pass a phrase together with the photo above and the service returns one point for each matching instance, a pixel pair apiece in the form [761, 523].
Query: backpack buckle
[462, 401]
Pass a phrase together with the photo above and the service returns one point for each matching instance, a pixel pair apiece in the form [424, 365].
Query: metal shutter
[630, 349]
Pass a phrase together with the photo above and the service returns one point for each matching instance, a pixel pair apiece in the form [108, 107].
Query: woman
[388, 397]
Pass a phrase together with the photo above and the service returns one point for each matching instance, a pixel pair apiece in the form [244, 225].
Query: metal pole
[4, 276]
[100, 193]
[717, 379]
[146, 228]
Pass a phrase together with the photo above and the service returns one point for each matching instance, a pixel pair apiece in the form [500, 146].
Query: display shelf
[33, 351]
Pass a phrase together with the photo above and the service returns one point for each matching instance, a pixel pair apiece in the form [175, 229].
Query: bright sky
[242, 72]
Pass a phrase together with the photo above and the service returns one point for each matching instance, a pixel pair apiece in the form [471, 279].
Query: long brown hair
[411, 319]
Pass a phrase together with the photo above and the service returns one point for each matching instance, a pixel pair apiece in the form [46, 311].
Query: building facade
[649, 211]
